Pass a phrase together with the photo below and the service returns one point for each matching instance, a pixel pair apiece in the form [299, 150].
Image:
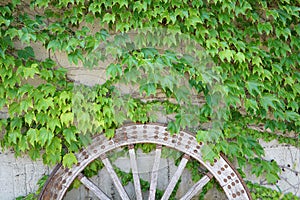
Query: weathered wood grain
[114, 177]
[175, 177]
[196, 188]
[92, 187]
[135, 173]
[154, 174]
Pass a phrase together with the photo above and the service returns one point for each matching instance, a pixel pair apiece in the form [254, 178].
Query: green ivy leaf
[181, 93]
[26, 53]
[292, 116]
[113, 70]
[30, 71]
[42, 118]
[149, 88]
[131, 75]
[256, 61]
[272, 178]
[139, 7]
[208, 153]
[44, 104]
[223, 147]
[70, 134]
[253, 87]
[264, 27]
[12, 32]
[53, 45]
[29, 118]
[55, 147]
[226, 54]
[85, 139]
[48, 89]
[45, 136]
[193, 21]
[22, 143]
[13, 136]
[251, 104]
[240, 57]
[67, 118]
[16, 123]
[69, 159]
[32, 136]
[53, 123]
[108, 17]
[167, 83]
[26, 88]
[64, 97]
[26, 104]
[173, 127]
[34, 153]
[241, 161]
[13, 109]
[268, 101]
[109, 133]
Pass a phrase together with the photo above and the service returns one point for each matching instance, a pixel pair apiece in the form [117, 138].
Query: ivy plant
[247, 74]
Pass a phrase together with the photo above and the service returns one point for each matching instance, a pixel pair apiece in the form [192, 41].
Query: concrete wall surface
[19, 176]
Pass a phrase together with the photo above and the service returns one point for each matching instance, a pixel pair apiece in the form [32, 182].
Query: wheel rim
[128, 135]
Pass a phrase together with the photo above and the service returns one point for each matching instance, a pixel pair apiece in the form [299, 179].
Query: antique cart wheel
[129, 135]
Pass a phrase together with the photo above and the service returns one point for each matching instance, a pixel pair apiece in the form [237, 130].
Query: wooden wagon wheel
[228, 178]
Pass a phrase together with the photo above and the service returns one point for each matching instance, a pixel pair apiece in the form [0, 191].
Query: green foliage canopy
[254, 46]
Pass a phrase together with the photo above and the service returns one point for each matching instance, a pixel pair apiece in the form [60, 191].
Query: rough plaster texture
[19, 176]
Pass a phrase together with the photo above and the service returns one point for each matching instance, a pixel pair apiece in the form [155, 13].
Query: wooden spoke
[92, 187]
[175, 177]
[154, 173]
[114, 177]
[197, 187]
[135, 173]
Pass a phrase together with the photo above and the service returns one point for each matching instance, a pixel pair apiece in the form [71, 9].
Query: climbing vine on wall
[253, 45]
